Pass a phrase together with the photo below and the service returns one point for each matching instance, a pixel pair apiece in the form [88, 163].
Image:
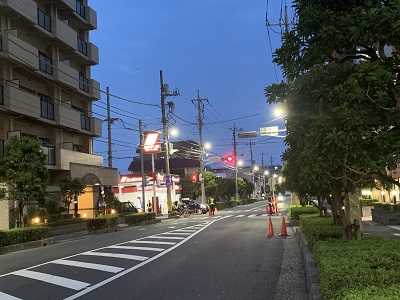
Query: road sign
[213, 159]
[247, 134]
[273, 130]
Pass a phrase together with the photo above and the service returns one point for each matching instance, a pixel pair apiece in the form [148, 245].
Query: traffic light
[195, 177]
[229, 158]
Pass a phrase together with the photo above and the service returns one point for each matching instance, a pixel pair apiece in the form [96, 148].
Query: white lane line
[127, 271]
[185, 230]
[166, 237]
[151, 242]
[252, 216]
[265, 215]
[397, 227]
[8, 297]
[56, 280]
[116, 255]
[80, 264]
[136, 248]
[239, 216]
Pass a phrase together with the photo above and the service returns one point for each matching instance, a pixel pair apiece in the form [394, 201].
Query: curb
[311, 269]
[25, 246]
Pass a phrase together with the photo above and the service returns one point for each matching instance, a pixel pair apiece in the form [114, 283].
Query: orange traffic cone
[209, 212]
[270, 229]
[283, 229]
[266, 210]
[215, 210]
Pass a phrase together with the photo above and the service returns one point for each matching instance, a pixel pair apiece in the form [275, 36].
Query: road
[227, 256]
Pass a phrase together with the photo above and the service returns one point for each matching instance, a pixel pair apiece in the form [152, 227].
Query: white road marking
[252, 216]
[185, 230]
[8, 297]
[56, 280]
[152, 242]
[136, 248]
[397, 227]
[166, 237]
[116, 255]
[239, 216]
[178, 233]
[80, 264]
[264, 215]
[127, 271]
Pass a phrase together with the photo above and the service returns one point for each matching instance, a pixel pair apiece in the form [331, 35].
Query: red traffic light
[195, 177]
[229, 158]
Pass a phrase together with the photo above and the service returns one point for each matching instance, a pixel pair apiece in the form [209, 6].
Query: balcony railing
[50, 153]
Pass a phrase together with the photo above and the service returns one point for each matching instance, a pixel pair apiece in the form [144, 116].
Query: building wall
[45, 75]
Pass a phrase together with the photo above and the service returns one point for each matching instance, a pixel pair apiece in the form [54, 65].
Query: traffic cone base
[283, 229]
[270, 229]
[215, 210]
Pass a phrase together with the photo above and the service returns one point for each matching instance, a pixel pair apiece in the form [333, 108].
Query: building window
[83, 83]
[82, 46]
[46, 108]
[1, 95]
[44, 20]
[49, 150]
[80, 9]
[45, 63]
[85, 122]
[1, 148]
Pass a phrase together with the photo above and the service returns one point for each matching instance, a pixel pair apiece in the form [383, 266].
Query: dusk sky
[220, 47]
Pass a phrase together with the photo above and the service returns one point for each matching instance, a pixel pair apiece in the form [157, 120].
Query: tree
[23, 167]
[210, 183]
[71, 188]
[343, 121]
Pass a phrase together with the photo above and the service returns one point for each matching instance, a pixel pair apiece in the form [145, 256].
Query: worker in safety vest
[149, 207]
[211, 202]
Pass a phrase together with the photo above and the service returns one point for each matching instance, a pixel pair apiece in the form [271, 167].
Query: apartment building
[46, 91]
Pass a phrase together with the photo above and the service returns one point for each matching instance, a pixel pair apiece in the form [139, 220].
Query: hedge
[139, 218]
[362, 269]
[94, 224]
[386, 206]
[296, 210]
[317, 228]
[367, 202]
[23, 235]
[66, 222]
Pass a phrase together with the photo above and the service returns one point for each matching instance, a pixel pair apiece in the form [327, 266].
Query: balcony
[64, 33]
[96, 126]
[67, 75]
[68, 117]
[19, 51]
[89, 87]
[21, 102]
[88, 53]
[26, 8]
[65, 157]
[83, 13]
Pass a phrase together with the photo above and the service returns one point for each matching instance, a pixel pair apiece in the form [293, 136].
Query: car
[192, 207]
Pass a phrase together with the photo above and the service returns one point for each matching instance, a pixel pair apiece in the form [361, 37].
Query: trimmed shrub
[296, 210]
[94, 224]
[23, 235]
[367, 202]
[57, 217]
[386, 206]
[317, 228]
[139, 218]
[362, 269]
[66, 222]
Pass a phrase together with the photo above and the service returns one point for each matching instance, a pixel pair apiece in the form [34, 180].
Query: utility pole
[235, 162]
[142, 165]
[200, 111]
[164, 94]
[109, 128]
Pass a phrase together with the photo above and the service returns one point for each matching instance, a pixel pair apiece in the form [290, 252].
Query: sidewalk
[372, 228]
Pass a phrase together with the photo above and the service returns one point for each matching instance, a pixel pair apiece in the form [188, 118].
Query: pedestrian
[149, 207]
[211, 202]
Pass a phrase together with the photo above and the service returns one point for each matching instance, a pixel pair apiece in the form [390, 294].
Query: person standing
[149, 207]
[211, 202]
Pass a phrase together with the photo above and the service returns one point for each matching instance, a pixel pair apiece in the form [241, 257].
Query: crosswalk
[71, 274]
